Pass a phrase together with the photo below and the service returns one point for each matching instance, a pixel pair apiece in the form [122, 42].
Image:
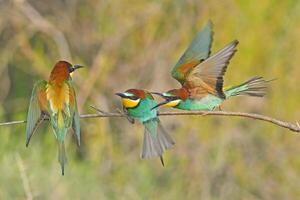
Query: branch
[292, 127]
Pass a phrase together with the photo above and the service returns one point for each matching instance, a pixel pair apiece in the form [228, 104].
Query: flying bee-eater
[137, 104]
[55, 100]
[201, 77]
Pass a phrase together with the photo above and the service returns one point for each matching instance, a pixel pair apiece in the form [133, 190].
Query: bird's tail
[254, 87]
[62, 158]
[156, 140]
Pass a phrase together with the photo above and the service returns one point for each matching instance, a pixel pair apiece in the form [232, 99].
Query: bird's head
[172, 97]
[62, 70]
[72, 68]
[132, 97]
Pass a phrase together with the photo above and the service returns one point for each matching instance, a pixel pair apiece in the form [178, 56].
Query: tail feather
[156, 140]
[254, 87]
[62, 158]
[164, 139]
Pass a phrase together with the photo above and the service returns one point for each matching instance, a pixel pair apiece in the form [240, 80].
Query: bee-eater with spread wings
[55, 100]
[201, 77]
[137, 104]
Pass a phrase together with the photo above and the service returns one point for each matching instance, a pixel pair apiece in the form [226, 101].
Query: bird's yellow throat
[173, 103]
[130, 103]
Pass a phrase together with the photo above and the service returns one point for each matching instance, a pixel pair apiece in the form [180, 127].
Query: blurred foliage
[127, 44]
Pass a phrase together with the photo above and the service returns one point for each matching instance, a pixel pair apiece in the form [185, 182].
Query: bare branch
[292, 127]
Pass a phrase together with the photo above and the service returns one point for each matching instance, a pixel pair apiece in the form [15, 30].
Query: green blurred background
[127, 44]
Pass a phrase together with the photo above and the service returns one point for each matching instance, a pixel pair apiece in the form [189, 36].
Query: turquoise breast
[207, 103]
[143, 111]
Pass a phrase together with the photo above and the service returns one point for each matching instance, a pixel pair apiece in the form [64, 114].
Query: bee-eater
[55, 100]
[137, 104]
[201, 77]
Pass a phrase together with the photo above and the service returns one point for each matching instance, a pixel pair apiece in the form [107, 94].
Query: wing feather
[198, 50]
[74, 110]
[76, 125]
[36, 115]
[207, 77]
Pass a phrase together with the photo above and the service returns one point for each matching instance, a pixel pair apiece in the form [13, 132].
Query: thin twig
[291, 126]
[12, 123]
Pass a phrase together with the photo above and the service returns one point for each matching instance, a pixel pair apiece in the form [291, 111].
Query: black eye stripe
[132, 97]
[171, 98]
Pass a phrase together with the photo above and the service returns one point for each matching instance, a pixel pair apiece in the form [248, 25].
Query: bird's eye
[133, 97]
[171, 98]
[71, 69]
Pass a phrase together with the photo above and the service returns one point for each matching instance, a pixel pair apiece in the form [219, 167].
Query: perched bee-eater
[55, 100]
[137, 104]
[201, 77]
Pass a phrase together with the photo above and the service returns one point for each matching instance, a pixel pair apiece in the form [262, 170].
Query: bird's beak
[120, 94]
[160, 104]
[157, 93]
[75, 67]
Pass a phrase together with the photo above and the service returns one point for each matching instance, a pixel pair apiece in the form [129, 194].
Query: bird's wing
[207, 77]
[198, 51]
[35, 114]
[74, 112]
[76, 126]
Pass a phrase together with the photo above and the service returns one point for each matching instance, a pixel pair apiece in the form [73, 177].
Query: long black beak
[157, 93]
[160, 104]
[77, 67]
[120, 94]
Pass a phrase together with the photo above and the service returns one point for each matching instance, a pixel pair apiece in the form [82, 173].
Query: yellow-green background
[128, 44]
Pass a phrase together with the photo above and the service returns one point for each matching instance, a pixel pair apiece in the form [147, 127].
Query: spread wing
[36, 115]
[198, 50]
[207, 77]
